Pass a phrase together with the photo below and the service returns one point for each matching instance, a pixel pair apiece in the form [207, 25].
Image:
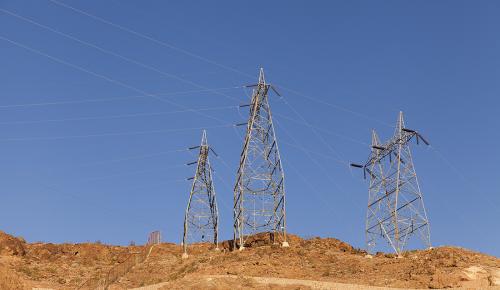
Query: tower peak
[262, 79]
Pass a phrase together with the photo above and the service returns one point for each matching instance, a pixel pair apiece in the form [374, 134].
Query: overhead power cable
[321, 129]
[69, 102]
[341, 108]
[109, 52]
[119, 83]
[134, 157]
[127, 59]
[141, 35]
[130, 173]
[117, 116]
[113, 134]
[318, 164]
[202, 58]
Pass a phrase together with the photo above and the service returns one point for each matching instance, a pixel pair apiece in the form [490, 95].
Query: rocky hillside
[306, 264]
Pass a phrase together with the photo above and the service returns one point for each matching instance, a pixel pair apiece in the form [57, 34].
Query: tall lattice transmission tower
[259, 193]
[396, 209]
[202, 216]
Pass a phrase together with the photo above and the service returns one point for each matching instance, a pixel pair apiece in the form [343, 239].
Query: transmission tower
[202, 217]
[396, 209]
[154, 238]
[259, 193]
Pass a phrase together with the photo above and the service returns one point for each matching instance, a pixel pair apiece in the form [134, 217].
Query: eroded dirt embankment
[66, 266]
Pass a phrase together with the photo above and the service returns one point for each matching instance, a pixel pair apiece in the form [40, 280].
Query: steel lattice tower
[202, 216]
[259, 193]
[396, 209]
[154, 238]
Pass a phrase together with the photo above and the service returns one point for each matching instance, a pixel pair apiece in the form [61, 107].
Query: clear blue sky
[92, 161]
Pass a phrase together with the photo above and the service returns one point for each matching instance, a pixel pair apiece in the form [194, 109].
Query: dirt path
[287, 282]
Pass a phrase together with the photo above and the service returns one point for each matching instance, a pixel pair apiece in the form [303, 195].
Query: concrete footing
[185, 255]
[285, 245]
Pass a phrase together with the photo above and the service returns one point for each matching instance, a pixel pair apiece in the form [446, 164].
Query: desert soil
[317, 263]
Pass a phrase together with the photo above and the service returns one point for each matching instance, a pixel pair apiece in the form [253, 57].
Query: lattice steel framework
[202, 217]
[154, 238]
[259, 193]
[396, 209]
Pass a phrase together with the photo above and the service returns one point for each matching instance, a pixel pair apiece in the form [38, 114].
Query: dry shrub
[9, 280]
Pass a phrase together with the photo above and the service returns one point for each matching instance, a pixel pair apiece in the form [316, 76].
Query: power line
[116, 116]
[132, 157]
[112, 98]
[328, 145]
[218, 64]
[462, 176]
[314, 152]
[228, 188]
[92, 203]
[128, 60]
[335, 106]
[141, 35]
[109, 52]
[323, 202]
[110, 176]
[197, 56]
[321, 129]
[119, 83]
[308, 154]
[113, 134]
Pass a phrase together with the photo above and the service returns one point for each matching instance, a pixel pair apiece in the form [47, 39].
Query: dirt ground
[306, 264]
